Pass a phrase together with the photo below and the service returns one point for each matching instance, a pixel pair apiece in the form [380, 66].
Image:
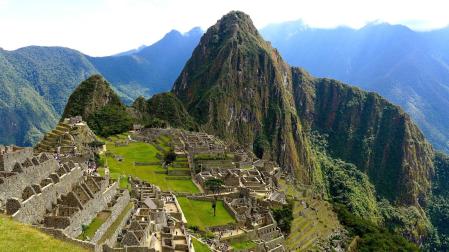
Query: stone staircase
[56, 138]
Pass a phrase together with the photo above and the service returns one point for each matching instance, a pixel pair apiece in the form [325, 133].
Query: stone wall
[109, 243]
[116, 210]
[61, 236]
[11, 154]
[107, 248]
[34, 208]
[13, 185]
[90, 210]
[232, 212]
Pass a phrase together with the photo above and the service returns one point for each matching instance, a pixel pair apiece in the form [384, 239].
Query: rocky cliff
[366, 130]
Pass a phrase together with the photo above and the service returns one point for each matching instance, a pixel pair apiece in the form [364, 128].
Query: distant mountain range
[409, 68]
[35, 82]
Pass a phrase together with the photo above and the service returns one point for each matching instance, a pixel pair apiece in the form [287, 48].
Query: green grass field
[199, 246]
[18, 237]
[141, 152]
[243, 245]
[200, 213]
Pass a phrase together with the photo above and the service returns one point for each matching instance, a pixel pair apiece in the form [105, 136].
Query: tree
[169, 157]
[83, 231]
[261, 145]
[214, 185]
[214, 205]
[110, 120]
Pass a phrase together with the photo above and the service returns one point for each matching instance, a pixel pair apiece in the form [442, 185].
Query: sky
[106, 27]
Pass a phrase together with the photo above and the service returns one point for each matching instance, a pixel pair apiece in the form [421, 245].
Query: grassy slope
[115, 224]
[143, 152]
[19, 237]
[199, 246]
[200, 213]
[244, 245]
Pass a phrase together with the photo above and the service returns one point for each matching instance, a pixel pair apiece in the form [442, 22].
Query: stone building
[255, 218]
[156, 223]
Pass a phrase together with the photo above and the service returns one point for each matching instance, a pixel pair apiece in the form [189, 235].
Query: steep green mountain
[407, 67]
[168, 108]
[35, 83]
[99, 106]
[368, 131]
[237, 86]
[162, 110]
[91, 95]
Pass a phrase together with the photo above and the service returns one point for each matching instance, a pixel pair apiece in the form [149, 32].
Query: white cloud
[104, 27]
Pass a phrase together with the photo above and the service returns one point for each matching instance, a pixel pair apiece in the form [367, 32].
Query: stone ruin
[201, 143]
[155, 224]
[55, 196]
[254, 217]
[259, 176]
[71, 136]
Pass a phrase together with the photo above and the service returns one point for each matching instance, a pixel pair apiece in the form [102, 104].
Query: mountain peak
[233, 22]
[91, 95]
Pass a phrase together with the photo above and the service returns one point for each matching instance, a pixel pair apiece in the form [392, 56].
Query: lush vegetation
[201, 214]
[361, 127]
[371, 237]
[99, 106]
[438, 206]
[19, 237]
[167, 108]
[91, 95]
[169, 157]
[284, 217]
[347, 185]
[110, 120]
[344, 183]
[214, 185]
[35, 83]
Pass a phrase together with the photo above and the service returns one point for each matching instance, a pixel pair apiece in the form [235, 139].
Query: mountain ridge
[409, 68]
